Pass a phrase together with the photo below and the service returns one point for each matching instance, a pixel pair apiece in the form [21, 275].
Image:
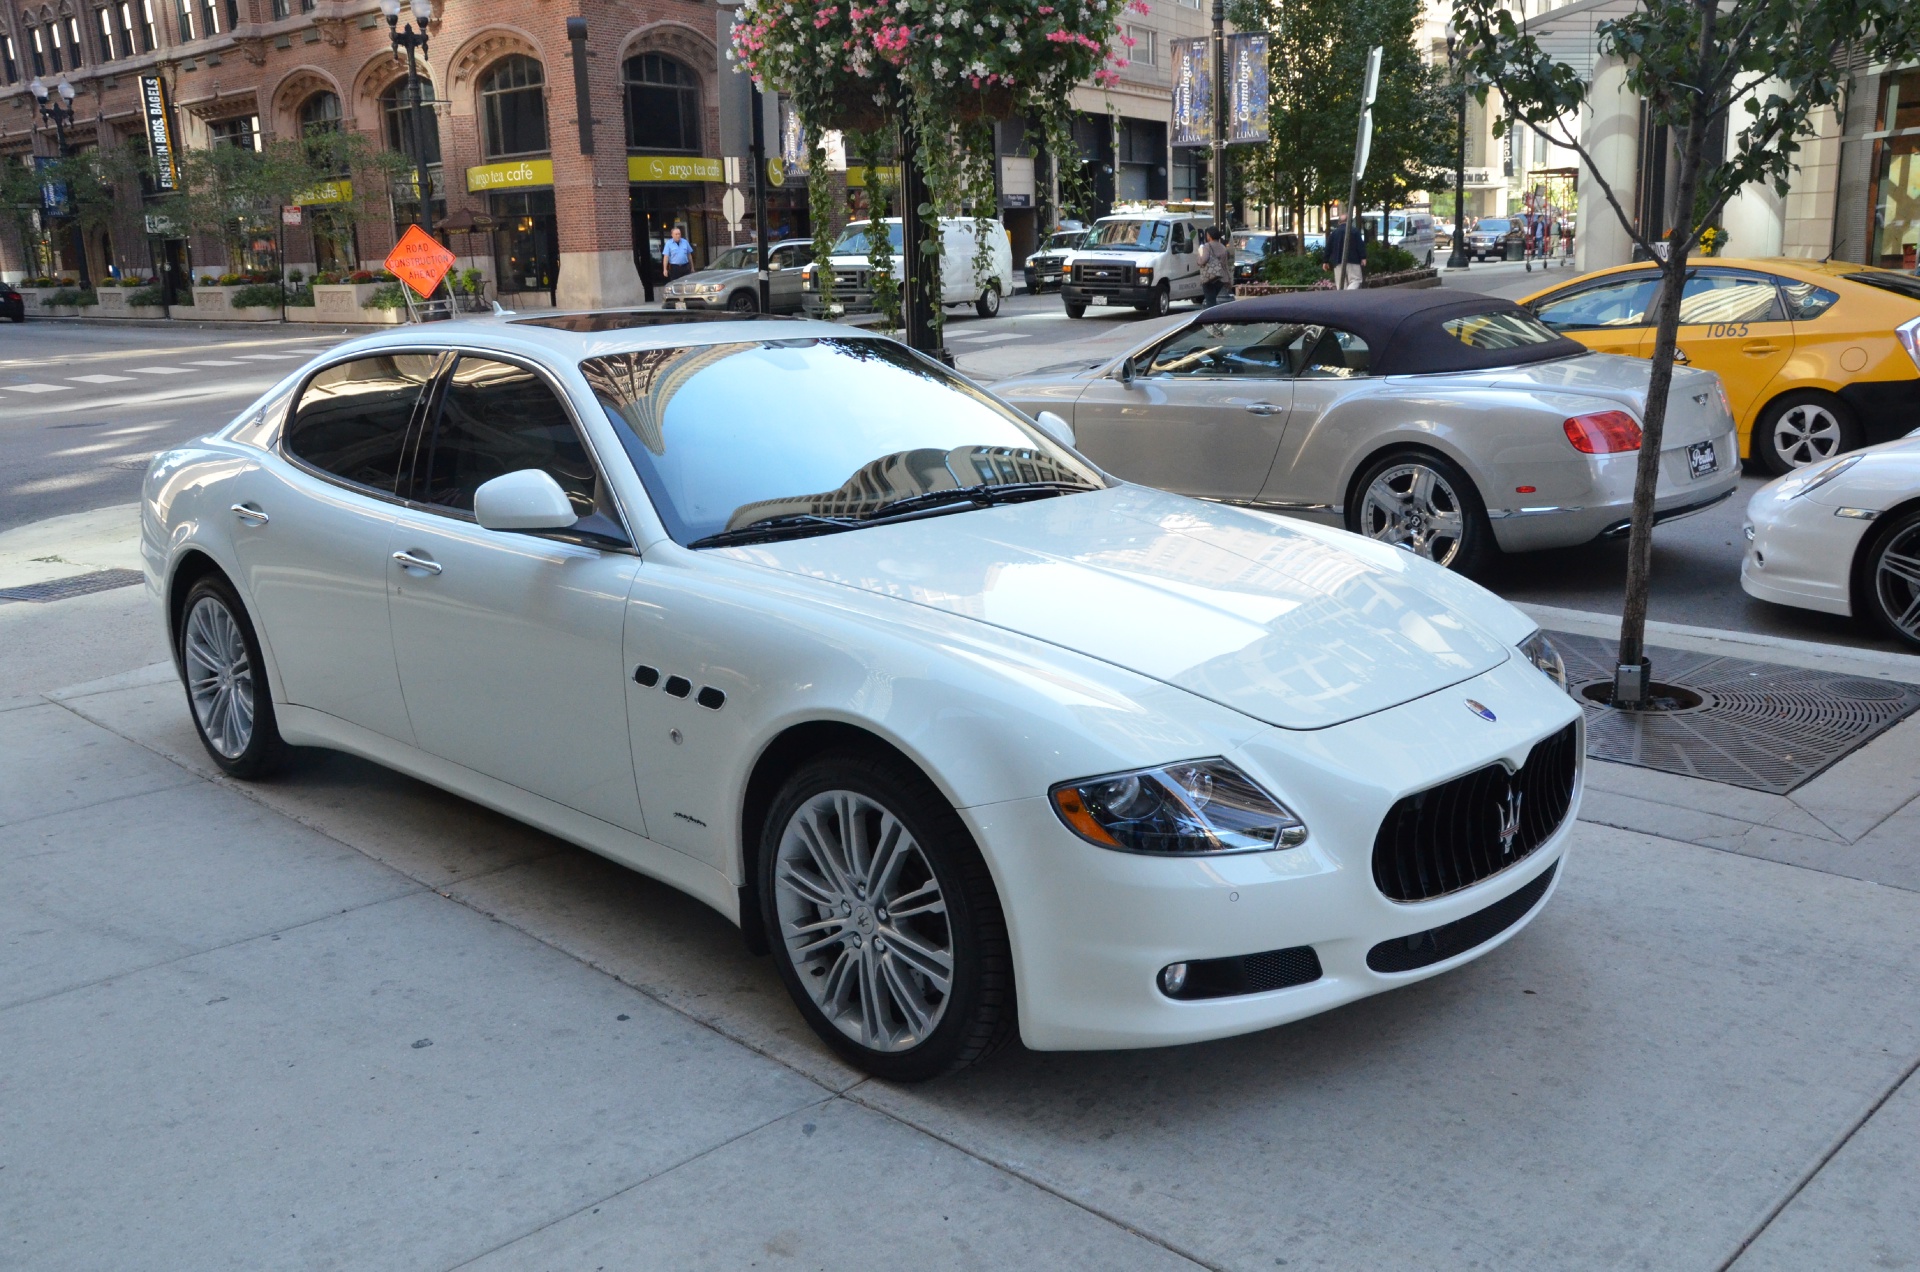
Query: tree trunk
[1630, 685]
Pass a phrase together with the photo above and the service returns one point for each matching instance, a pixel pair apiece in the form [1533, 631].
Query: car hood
[1296, 626]
[713, 276]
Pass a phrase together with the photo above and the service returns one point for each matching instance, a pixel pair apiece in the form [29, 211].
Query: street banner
[419, 261]
[159, 118]
[1192, 92]
[1246, 88]
[53, 194]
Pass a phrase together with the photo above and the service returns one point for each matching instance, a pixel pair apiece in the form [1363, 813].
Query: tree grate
[73, 585]
[1761, 726]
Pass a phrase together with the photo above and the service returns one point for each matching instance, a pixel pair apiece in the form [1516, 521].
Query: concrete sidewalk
[341, 1019]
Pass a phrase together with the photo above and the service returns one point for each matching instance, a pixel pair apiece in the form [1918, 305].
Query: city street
[340, 1018]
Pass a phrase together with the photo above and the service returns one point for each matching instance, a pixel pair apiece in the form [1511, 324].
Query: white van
[1147, 258]
[851, 291]
[1412, 229]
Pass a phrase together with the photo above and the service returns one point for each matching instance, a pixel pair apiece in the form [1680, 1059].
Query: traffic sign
[733, 206]
[419, 261]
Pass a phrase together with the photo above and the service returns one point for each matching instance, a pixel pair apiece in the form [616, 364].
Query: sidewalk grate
[1761, 725]
[75, 585]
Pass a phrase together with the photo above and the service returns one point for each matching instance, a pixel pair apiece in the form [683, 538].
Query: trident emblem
[1507, 815]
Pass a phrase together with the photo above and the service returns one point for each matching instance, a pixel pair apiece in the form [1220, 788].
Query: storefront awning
[673, 168]
[510, 175]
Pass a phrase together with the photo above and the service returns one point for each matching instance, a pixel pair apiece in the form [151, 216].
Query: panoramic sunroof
[620, 320]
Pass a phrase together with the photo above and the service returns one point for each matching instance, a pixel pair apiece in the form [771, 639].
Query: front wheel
[1424, 503]
[1076, 309]
[1887, 587]
[1803, 428]
[226, 682]
[1160, 304]
[883, 919]
[743, 302]
[989, 303]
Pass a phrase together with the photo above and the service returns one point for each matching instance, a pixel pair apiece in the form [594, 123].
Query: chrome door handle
[1263, 408]
[411, 562]
[249, 514]
[1760, 349]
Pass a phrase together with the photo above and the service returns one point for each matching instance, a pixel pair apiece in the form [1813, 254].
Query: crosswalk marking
[987, 338]
[268, 357]
[216, 362]
[100, 379]
[33, 388]
[160, 370]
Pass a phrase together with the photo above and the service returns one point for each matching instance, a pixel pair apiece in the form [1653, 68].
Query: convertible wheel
[989, 303]
[743, 302]
[225, 680]
[1425, 504]
[883, 919]
[1889, 582]
[1803, 428]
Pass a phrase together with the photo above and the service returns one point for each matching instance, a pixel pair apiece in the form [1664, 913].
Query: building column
[593, 202]
[1756, 216]
[1610, 132]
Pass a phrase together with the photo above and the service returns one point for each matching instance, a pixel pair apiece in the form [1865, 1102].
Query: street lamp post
[57, 109]
[1219, 147]
[413, 41]
[1457, 258]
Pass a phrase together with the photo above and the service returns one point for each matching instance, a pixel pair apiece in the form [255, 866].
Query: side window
[1805, 301]
[792, 256]
[353, 417]
[1720, 298]
[1180, 243]
[1327, 353]
[496, 418]
[1617, 304]
[1216, 350]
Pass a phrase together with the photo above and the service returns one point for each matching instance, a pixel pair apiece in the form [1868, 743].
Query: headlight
[1808, 480]
[1193, 808]
[707, 289]
[1541, 653]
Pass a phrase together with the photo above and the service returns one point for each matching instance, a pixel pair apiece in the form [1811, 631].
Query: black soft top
[1402, 327]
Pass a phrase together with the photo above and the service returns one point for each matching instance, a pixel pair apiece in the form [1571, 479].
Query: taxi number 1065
[1733, 330]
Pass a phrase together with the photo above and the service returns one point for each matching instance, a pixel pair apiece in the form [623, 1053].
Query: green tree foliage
[1736, 83]
[1317, 54]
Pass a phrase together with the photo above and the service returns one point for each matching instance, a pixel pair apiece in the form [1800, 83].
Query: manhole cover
[1759, 725]
[74, 585]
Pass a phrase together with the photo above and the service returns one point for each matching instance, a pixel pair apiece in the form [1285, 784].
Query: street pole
[1219, 115]
[919, 279]
[762, 244]
[1457, 258]
[59, 114]
[414, 41]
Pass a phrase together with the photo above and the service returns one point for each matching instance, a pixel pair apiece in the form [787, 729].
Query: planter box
[32, 295]
[342, 302]
[217, 303]
[382, 317]
[63, 311]
[303, 313]
[115, 303]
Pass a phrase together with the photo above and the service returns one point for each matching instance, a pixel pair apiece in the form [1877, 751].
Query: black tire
[1076, 309]
[743, 302]
[262, 751]
[1884, 597]
[976, 1015]
[1162, 303]
[988, 305]
[1469, 553]
[1801, 428]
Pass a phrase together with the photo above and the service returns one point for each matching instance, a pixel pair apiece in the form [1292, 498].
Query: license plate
[1096, 300]
[1700, 459]
[1049, 278]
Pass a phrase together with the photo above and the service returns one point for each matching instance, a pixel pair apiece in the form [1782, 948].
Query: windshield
[1493, 225]
[1142, 236]
[729, 436]
[735, 258]
[854, 241]
[1067, 239]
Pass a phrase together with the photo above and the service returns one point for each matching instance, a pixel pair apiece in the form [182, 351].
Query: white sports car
[1842, 537]
[969, 735]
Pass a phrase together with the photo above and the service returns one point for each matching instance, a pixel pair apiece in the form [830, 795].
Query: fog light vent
[1241, 974]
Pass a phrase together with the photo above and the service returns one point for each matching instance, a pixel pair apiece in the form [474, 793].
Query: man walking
[1346, 254]
[678, 253]
[1216, 266]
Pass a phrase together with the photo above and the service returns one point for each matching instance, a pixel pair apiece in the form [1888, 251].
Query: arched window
[513, 103]
[663, 105]
[396, 104]
[319, 113]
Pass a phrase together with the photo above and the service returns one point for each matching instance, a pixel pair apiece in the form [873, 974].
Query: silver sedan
[1454, 427]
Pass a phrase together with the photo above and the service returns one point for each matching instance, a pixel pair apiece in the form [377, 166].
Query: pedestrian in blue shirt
[678, 253]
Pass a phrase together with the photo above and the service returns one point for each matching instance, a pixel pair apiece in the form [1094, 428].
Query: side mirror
[1055, 427]
[776, 265]
[1125, 373]
[529, 499]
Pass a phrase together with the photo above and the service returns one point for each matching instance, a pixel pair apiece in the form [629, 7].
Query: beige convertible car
[1455, 426]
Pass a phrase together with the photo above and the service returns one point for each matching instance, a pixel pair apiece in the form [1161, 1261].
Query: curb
[1871, 664]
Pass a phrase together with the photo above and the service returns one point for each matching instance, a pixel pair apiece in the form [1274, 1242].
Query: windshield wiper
[982, 495]
[793, 526]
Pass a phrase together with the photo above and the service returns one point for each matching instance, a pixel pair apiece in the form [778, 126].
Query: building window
[12, 61]
[103, 19]
[74, 41]
[242, 132]
[210, 17]
[321, 112]
[184, 21]
[125, 14]
[397, 107]
[149, 39]
[280, 10]
[514, 104]
[57, 52]
[1893, 195]
[663, 105]
[37, 44]
[1146, 46]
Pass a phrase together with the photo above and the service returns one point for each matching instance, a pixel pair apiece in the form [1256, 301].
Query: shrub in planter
[145, 297]
[299, 296]
[388, 297]
[184, 296]
[1384, 258]
[360, 276]
[70, 298]
[1284, 269]
[257, 296]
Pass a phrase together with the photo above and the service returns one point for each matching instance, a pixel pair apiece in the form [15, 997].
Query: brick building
[502, 130]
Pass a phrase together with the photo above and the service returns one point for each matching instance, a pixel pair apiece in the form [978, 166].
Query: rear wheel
[883, 919]
[989, 303]
[1887, 588]
[226, 681]
[1803, 428]
[1423, 503]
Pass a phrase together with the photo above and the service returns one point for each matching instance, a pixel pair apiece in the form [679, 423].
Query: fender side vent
[646, 677]
[679, 686]
[710, 698]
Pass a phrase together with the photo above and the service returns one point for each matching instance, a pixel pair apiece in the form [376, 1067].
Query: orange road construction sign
[419, 261]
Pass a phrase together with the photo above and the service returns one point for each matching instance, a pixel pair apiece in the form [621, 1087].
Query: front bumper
[1600, 506]
[1091, 928]
[1105, 294]
[689, 302]
[1800, 553]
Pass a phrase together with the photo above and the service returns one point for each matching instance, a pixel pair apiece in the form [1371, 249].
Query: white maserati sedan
[1842, 537]
[972, 737]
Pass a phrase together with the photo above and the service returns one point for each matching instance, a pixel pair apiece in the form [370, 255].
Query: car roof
[568, 336]
[1402, 327]
[1804, 268]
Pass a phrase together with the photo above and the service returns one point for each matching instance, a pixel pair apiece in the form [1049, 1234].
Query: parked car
[1818, 357]
[1411, 229]
[13, 306]
[1146, 259]
[732, 281]
[1454, 426]
[973, 738]
[1496, 238]
[850, 289]
[1842, 537]
[1046, 267]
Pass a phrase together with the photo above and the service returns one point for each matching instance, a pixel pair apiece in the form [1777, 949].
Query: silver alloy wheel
[1806, 433]
[1896, 581]
[864, 920]
[1412, 506]
[219, 677]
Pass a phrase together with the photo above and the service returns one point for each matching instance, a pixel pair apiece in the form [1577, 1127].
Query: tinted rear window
[1886, 280]
[1505, 330]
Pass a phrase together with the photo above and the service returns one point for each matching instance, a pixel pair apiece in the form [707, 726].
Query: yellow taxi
[1817, 357]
